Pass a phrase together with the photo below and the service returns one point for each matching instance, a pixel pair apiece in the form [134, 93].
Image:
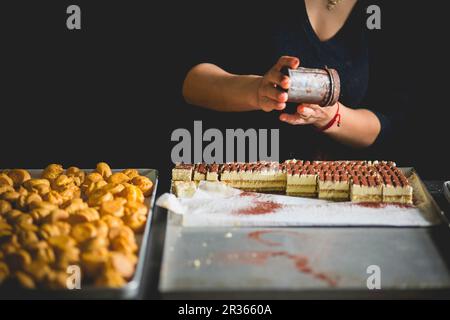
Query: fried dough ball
[77, 175]
[56, 279]
[143, 183]
[74, 205]
[104, 169]
[131, 173]
[94, 261]
[118, 177]
[121, 263]
[52, 171]
[114, 188]
[24, 280]
[61, 243]
[25, 200]
[96, 243]
[121, 244]
[113, 207]
[98, 197]
[84, 215]
[19, 176]
[18, 259]
[83, 231]
[5, 180]
[54, 197]
[136, 222]
[39, 214]
[38, 269]
[48, 230]
[11, 196]
[70, 192]
[66, 257]
[102, 228]
[40, 186]
[96, 186]
[27, 237]
[41, 251]
[5, 207]
[43, 205]
[56, 215]
[61, 182]
[4, 189]
[112, 222]
[134, 207]
[111, 279]
[4, 271]
[132, 193]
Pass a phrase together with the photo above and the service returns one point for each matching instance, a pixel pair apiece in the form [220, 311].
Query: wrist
[330, 113]
[253, 91]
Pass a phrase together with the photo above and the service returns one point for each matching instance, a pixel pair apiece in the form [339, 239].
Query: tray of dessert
[73, 232]
[302, 193]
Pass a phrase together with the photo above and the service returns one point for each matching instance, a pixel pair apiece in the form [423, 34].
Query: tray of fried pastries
[74, 232]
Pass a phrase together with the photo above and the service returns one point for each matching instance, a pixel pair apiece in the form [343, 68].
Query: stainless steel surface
[131, 290]
[317, 86]
[207, 261]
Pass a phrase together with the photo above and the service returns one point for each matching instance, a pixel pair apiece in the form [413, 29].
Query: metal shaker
[315, 86]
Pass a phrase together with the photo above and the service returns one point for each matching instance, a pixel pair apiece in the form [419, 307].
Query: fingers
[268, 104]
[306, 112]
[293, 119]
[276, 77]
[287, 61]
[273, 93]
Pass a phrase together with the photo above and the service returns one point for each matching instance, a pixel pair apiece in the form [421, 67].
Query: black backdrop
[112, 91]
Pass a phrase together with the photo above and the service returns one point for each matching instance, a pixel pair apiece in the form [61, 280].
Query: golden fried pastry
[4, 271]
[38, 270]
[69, 256]
[5, 180]
[94, 261]
[56, 279]
[41, 251]
[103, 169]
[134, 207]
[112, 222]
[111, 279]
[77, 175]
[27, 237]
[17, 259]
[11, 196]
[48, 230]
[131, 173]
[54, 197]
[114, 188]
[132, 193]
[19, 176]
[102, 228]
[84, 215]
[121, 263]
[26, 199]
[56, 215]
[83, 231]
[52, 171]
[61, 243]
[5, 207]
[98, 197]
[113, 207]
[143, 183]
[118, 177]
[136, 222]
[4, 189]
[70, 217]
[74, 205]
[25, 280]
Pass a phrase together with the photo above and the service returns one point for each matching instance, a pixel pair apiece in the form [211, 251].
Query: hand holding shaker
[315, 86]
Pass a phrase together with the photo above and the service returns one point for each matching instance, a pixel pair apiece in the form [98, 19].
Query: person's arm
[209, 86]
[359, 127]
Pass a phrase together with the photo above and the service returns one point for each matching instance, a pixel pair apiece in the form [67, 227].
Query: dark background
[112, 91]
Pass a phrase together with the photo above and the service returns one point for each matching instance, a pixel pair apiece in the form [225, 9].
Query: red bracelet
[337, 117]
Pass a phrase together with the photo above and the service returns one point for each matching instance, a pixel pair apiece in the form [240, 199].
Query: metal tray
[131, 290]
[226, 262]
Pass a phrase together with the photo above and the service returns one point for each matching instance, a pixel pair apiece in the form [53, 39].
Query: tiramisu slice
[212, 173]
[396, 188]
[184, 189]
[256, 176]
[366, 188]
[182, 172]
[334, 185]
[200, 171]
[301, 180]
